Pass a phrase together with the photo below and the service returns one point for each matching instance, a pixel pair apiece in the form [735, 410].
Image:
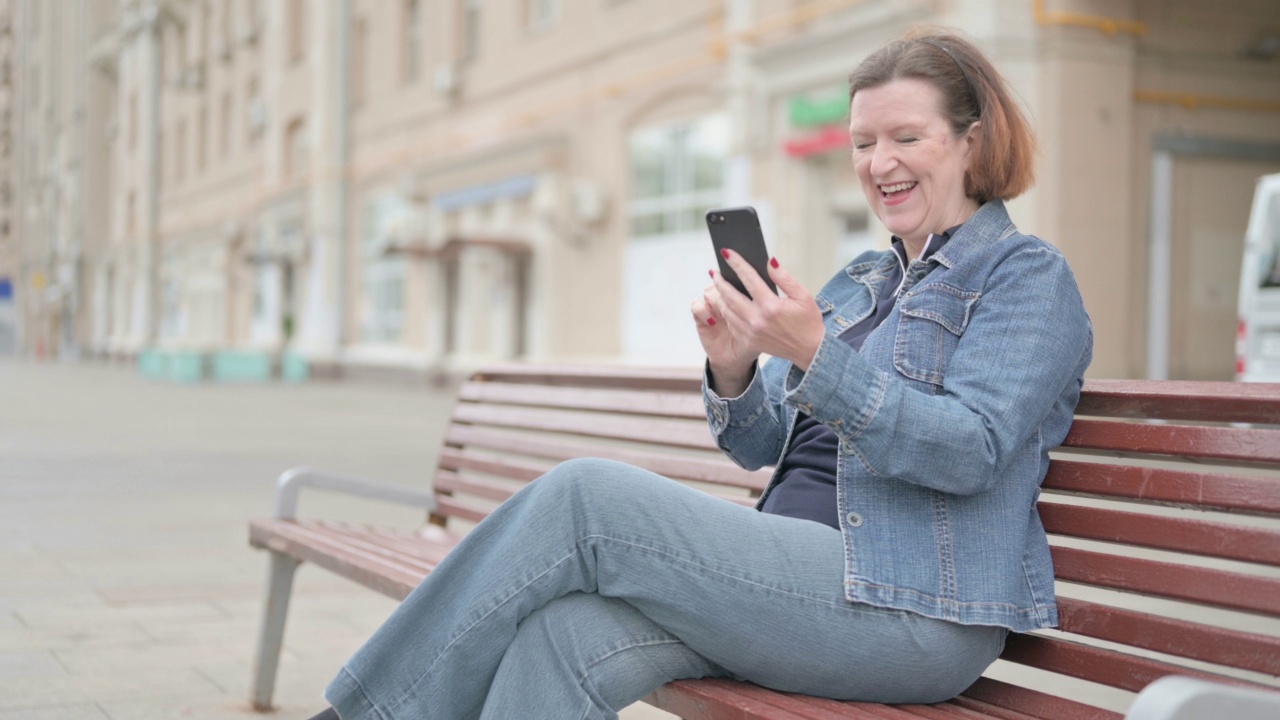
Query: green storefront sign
[809, 112]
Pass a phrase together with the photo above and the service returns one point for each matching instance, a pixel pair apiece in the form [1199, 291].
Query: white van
[1258, 334]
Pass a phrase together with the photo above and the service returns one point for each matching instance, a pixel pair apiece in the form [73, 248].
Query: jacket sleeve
[1026, 342]
[748, 428]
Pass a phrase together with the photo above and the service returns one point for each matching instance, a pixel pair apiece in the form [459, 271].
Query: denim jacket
[945, 420]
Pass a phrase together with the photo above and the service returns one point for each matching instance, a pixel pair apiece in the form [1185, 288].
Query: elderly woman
[909, 408]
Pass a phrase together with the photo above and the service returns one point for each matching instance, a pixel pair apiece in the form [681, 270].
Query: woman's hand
[730, 361]
[789, 327]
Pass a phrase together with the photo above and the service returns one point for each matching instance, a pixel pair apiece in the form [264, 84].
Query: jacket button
[854, 519]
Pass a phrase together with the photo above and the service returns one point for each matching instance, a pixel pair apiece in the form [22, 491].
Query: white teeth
[896, 187]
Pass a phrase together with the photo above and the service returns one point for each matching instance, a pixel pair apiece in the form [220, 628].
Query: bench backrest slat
[1225, 445]
[1178, 534]
[1182, 400]
[1096, 664]
[1207, 586]
[600, 425]
[716, 470]
[1201, 489]
[637, 402]
[1232, 648]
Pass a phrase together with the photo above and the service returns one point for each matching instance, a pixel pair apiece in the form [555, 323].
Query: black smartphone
[738, 229]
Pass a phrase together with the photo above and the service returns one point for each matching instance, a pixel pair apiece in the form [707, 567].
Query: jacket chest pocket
[931, 321]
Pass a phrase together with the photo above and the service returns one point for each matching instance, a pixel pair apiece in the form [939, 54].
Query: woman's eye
[861, 146]
[907, 140]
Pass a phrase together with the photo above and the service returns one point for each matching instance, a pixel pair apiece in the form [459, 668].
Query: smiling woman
[908, 407]
[932, 105]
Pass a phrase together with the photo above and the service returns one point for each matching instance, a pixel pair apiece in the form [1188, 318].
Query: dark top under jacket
[807, 485]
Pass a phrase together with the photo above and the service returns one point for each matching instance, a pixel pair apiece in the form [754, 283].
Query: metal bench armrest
[1184, 698]
[291, 483]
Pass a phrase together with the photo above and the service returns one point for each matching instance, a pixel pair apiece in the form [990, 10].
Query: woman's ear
[973, 139]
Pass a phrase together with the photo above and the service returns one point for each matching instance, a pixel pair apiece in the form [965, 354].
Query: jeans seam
[582, 679]
[723, 574]
[368, 700]
[444, 651]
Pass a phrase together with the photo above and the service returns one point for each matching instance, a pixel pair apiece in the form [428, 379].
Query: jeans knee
[584, 477]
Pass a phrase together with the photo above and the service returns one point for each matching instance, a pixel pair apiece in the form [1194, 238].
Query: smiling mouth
[889, 191]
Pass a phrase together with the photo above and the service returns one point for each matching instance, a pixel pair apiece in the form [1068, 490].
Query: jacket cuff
[841, 389]
[736, 411]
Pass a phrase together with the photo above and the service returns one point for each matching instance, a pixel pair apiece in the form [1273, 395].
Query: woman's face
[910, 163]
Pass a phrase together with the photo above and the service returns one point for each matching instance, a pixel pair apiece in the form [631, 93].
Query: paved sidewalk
[128, 590]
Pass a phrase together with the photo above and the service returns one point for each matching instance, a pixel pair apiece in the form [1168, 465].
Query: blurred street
[128, 589]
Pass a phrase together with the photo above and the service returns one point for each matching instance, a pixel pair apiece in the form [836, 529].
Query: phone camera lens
[720, 218]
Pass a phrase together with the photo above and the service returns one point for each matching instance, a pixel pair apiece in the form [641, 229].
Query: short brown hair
[972, 90]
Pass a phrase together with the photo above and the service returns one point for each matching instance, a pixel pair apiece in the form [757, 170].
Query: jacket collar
[990, 224]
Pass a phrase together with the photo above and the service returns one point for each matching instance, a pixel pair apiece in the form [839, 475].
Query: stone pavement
[128, 590]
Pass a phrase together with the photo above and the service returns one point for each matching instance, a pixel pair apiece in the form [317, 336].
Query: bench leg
[271, 639]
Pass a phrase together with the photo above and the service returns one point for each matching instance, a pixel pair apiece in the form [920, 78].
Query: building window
[296, 23]
[677, 174]
[224, 125]
[228, 24]
[255, 112]
[359, 45]
[541, 14]
[469, 30]
[131, 216]
[179, 68]
[296, 157]
[411, 40]
[382, 286]
[133, 121]
[179, 151]
[206, 29]
[202, 139]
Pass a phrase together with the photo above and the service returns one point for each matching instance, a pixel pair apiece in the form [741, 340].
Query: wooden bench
[1163, 508]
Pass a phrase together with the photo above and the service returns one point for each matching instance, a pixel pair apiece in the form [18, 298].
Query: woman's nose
[883, 160]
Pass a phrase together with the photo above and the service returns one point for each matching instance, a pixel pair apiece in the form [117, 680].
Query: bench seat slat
[1255, 495]
[710, 699]
[997, 699]
[1199, 537]
[1221, 588]
[365, 544]
[1246, 651]
[429, 552]
[1224, 445]
[1095, 664]
[718, 471]
[587, 424]
[393, 581]
[822, 708]
[636, 402]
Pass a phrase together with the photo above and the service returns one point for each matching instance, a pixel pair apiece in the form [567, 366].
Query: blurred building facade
[430, 184]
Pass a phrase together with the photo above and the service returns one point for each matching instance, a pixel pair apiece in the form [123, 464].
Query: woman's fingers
[751, 279]
[787, 282]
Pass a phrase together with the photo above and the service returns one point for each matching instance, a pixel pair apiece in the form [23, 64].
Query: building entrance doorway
[1201, 193]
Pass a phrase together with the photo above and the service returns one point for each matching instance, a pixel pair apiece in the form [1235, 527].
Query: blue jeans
[600, 582]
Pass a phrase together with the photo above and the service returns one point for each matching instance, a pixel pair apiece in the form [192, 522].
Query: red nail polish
[725, 253]
[773, 262]
[711, 321]
[712, 273]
